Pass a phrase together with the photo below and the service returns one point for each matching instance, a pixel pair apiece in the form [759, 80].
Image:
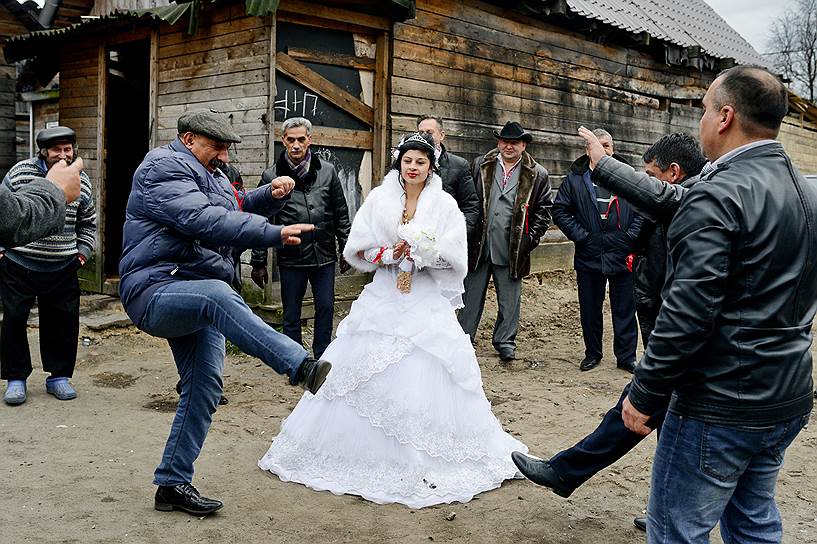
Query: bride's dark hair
[417, 141]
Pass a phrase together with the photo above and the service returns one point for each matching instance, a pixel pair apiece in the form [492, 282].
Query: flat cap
[50, 136]
[208, 123]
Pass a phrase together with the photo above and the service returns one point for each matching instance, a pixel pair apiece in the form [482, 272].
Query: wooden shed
[363, 70]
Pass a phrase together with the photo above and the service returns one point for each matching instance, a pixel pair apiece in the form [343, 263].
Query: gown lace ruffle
[402, 416]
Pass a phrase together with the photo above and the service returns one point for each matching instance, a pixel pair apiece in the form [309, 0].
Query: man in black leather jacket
[456, 175]
[318, 199]
[674, 159]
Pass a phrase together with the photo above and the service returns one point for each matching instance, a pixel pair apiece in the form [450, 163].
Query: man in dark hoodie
[604, 229]
[317, 199]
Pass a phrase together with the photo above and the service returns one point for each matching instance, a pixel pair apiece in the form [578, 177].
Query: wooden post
[153, 90]
[380, 150]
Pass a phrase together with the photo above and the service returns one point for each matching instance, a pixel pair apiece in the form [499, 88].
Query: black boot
[640, 523]
[184, 497]
[311, 374]
[540, 472]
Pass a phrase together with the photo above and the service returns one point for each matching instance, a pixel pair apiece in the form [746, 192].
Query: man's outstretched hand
[66, 178]
[594, 148]
[289, 234]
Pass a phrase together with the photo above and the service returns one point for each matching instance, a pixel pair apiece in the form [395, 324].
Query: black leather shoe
[507, 356]
[629, 366]
[589, 363]
[640, 523]
[184, 497]
[312, 373]
[540, 472]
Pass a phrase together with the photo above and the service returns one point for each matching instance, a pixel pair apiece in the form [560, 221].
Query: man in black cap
[604, 229]
[514, 192]
[182, 223]
[37, 209]
[45, 271]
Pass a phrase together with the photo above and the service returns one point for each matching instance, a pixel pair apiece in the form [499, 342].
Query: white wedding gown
[402, 416]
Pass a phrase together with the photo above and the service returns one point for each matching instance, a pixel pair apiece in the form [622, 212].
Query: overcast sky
[751, 18]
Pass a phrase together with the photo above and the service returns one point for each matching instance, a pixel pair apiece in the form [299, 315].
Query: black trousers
[57, 297]
[608, 443]
[293, 288]
[622, 304]
[647, 314]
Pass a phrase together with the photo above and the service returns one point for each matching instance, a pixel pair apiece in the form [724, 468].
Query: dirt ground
[81, 471]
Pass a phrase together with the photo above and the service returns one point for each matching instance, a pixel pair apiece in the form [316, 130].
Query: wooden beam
[338, 137]
[332, 59]
[153, 91]
[319, 84]
[335, 14]
[381, 104]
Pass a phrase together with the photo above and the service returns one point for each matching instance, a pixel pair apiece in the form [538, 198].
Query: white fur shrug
[376, 223]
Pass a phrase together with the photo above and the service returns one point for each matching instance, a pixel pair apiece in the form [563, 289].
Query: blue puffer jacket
[181, 223]
[601, 246]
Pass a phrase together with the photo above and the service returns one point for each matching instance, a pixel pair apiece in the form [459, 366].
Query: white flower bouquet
[422, 244]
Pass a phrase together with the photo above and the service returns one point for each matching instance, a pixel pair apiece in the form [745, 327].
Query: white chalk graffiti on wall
[308, 104]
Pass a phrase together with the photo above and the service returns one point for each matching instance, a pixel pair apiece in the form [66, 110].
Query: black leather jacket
[458, 182]
[319, 200]
[732, 340]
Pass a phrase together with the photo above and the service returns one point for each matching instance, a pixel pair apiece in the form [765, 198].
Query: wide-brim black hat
[513, 131]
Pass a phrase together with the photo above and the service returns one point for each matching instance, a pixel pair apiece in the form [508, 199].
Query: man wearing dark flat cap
[182, 223]
[514, 194]
[45, 271]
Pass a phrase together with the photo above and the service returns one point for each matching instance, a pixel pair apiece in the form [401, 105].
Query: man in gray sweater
[37, 209]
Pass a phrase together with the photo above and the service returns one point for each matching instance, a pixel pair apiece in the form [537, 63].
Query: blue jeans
[195, 317]
[704, 473]
[293, 288]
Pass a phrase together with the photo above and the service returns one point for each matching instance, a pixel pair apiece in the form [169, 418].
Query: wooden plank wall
[225, 66]
[478, 65]
[9, 26]
[79, 98]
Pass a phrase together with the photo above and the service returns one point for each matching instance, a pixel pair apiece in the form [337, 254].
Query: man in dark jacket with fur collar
[604, 229]
[317, 199]
[514, 192]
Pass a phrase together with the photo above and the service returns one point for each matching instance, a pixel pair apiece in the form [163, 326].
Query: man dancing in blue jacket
[182, 221]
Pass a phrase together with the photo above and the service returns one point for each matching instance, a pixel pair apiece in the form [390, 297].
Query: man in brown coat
[514, 192]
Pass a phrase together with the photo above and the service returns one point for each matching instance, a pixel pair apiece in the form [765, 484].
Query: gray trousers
[509, 298]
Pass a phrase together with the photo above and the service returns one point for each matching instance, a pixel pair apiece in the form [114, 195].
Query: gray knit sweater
[78, 233]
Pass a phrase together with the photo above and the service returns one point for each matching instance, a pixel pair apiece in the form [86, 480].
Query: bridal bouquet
[422, 244]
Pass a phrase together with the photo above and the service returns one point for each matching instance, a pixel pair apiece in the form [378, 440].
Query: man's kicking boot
[540, 472]
[311, 374]
[184, 497]
[640, 523]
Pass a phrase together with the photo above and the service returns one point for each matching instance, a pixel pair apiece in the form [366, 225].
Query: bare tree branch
[793, 40]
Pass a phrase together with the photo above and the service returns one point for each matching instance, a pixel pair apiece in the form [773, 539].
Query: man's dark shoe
[184, 497]
[589, 363]
[507, 356]
[221, 402]
[311, 374]
[540, 472]
[629, 366]
[640, 523]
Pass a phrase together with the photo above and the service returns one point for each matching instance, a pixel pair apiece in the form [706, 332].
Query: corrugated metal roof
[686, 23]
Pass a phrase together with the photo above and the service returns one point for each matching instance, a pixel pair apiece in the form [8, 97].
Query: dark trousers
[608, 443]
[622, 304]
[293, 288]
[57, 297]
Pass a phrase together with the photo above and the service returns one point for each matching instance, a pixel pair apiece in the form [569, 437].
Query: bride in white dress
[402, 416]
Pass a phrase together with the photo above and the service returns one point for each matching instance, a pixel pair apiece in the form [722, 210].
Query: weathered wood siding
[478, 66]
[79, 100]
[225, 66]
[9, 26]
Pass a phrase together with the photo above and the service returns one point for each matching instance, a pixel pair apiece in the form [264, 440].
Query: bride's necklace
[404, 277]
